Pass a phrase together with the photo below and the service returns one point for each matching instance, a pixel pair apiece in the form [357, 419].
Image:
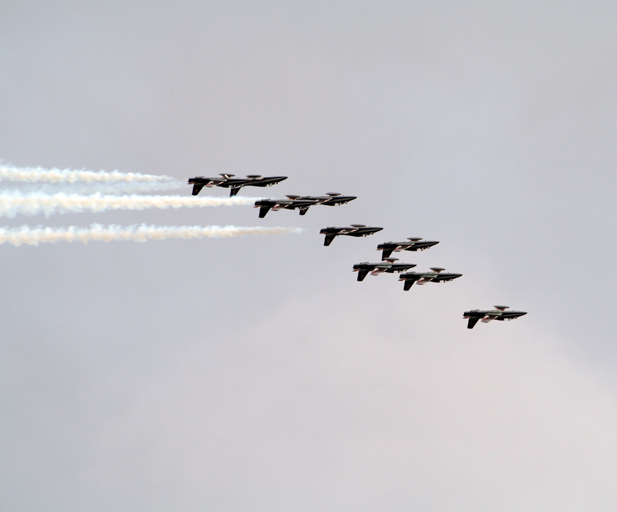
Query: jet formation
[388, 264]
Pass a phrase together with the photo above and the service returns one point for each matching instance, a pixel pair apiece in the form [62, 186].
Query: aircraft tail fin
[263, 211]
[408, 285]
[233, 191]
[386, 253]
[197, 189]
[472, 322]
[329, 239]
[362, 274]
[304, 210]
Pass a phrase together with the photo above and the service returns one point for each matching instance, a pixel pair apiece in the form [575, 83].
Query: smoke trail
[34, 236]
[98, 188]
[14, 202]
[38, 174]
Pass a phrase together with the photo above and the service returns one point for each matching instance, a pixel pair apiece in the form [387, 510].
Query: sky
[256, 373]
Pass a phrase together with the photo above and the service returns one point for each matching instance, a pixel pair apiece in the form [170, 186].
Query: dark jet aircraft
[302, 203]
[435, 276]
[353, 230]
[388, 265]
[235, 184]
[291, 203]
[411, 244]
[499, 313]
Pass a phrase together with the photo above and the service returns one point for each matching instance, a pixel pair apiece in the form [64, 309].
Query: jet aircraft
[235, 184]
[291, 203]
[388, 265]
[353, 230]
[434, 276]
[411, 244]
[303, 203]
[499, 313]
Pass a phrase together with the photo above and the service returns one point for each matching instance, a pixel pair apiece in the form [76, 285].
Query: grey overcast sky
[256, 374]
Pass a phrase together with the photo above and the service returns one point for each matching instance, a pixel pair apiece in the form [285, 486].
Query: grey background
[256, 374]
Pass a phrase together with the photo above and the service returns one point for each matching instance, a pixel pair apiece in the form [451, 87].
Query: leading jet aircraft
[388, 265]
[435, 276]
[499, 313]
[411, 244]
[303, 203]
[353, 230]
[235, 184]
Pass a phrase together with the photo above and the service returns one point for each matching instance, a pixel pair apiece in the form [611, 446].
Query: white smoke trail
[38, 174]
[98, 188]
[14, 202]
[34, 236]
